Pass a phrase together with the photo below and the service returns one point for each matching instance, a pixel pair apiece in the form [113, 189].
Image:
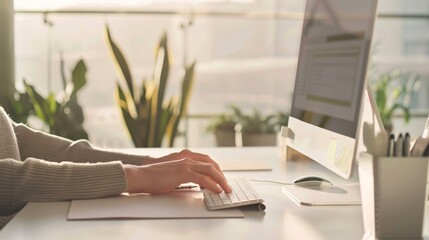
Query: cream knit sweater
[36, 167]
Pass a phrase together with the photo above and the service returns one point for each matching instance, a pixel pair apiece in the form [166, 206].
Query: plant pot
[225, 138]
[258, 139]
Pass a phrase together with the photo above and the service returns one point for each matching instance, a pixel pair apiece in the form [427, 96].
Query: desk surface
[283, 218]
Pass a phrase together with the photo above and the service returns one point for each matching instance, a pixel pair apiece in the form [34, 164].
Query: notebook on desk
[178, 204]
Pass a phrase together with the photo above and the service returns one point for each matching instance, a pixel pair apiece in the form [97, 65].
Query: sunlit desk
[283, 218]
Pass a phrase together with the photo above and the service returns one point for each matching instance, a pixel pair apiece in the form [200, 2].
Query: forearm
[40, 145]
[36, 180]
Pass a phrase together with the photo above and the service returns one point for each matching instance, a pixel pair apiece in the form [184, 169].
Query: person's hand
[199, 157]
[165, 176]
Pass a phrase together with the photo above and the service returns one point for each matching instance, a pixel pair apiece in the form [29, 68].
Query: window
[246, 53]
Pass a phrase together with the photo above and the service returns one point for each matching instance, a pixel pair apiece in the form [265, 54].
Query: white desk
[283, 218]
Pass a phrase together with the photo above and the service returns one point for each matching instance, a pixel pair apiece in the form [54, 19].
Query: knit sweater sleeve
[49, 147]
[35, 180]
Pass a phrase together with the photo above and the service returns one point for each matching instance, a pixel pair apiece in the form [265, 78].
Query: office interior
[245, 53]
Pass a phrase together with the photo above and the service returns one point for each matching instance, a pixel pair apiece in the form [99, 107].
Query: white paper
[332, 196]
[178, 204]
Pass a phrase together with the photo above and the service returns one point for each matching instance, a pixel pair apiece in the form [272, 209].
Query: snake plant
[148, 113]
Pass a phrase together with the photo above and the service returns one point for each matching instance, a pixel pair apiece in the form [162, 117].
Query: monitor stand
[343, 194]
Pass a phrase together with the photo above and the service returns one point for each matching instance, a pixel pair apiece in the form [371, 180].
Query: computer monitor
[331, 81]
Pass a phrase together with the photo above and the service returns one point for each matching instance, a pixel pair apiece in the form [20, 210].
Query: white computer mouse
[312, 181]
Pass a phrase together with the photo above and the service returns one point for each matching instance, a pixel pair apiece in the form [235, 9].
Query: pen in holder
[393, 191]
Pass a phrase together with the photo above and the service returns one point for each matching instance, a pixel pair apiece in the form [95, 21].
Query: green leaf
[381, 99]
[404, 109]
[160, 77]
[63, 74]
[187, 84]
[162, 68]
[120, 97]
[51, 104]
[167, 117]
[38, 102]
[128, 119]
[120, 63]
[79, 76]
[153, 131]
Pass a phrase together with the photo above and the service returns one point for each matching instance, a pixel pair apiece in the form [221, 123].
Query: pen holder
[394, 194]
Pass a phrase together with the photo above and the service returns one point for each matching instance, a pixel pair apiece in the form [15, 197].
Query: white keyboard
[242, 194]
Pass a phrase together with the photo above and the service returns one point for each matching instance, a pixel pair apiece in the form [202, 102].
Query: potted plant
[240, 129]
[148, 113]
[392, 91]
[61, 112]
[255, 129]
[223, 128]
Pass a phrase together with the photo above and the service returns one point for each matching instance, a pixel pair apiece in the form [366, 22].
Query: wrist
[149, 160]
[131, 173]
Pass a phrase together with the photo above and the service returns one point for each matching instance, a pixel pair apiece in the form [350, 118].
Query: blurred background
[245, 53]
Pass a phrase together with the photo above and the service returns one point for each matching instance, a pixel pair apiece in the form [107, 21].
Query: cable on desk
[270, 181]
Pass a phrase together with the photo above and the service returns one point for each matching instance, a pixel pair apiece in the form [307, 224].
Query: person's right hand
[185, 153]
[166, 176]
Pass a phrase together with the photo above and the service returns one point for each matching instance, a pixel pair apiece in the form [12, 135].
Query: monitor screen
[330, 80]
